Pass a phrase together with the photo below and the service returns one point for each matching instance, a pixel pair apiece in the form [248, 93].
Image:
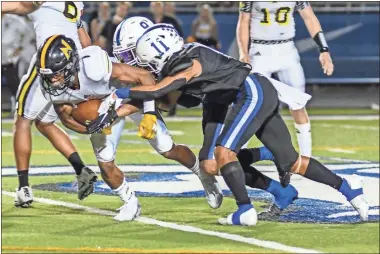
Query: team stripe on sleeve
[245, 6]
[300, 5]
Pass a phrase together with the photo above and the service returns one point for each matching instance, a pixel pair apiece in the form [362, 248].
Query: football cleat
[24, 197]
[271, 214]
[283, 197]
[129, 211]
[353, 191]
[214, 194]
[245, 216]
[86, 180]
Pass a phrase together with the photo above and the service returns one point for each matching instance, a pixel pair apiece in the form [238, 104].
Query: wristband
[149, 106]
[320, 39]
[79, 24]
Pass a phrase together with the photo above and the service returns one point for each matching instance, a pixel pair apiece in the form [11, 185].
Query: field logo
[317, 203]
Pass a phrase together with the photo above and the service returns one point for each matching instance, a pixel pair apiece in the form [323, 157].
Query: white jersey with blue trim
[272, 20]
[94, 76]
[57, 18]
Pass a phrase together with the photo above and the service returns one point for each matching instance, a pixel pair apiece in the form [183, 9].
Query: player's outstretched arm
[242, 30]
[64, 113]
[19, 8]
[165, 86]
[130, 74]
[315, 30]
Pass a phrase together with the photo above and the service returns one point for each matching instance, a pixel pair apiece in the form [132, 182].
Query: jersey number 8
[71, 11]
[281, 16]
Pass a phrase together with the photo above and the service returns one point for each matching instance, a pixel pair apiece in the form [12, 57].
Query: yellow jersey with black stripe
[57, 18]
[94, 76]
[272, 20]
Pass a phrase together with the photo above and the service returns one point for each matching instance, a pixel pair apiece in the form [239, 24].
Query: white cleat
[24, 197]
[129, 210]
[246, 215]
[214, 194]
[359, 203]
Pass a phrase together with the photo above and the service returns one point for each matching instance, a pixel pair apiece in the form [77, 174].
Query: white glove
[110, 101]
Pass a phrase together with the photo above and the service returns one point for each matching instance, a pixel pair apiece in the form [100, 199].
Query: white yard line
[340, 150]
[184, 228]
[355, 127]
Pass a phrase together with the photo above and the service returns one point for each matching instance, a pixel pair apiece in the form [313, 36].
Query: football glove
[102, 121]
[148, 126]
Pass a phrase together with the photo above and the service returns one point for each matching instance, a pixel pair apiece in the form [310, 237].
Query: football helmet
[125, 38]
[57, 64]
[157, 45]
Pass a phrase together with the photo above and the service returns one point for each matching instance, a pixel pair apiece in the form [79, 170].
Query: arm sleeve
[150, 95]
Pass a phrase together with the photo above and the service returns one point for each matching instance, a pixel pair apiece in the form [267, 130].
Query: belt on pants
[264, 42]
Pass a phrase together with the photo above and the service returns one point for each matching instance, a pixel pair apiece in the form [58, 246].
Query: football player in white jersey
[124, 48]
[50, 18]
[71, 76]
[270, 28]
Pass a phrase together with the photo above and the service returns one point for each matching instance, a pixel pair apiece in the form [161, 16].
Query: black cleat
[271, 214]
[285, 178]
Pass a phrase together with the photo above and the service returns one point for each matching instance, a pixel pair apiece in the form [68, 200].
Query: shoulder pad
[96, 63]
[176, 64]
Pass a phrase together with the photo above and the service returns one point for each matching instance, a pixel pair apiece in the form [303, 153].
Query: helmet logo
[66, 49]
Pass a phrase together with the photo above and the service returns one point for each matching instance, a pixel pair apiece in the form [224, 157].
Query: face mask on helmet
[56, 83]
[125, 37]
[127, 56]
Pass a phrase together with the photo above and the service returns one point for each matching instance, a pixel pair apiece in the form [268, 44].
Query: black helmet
[58, 59]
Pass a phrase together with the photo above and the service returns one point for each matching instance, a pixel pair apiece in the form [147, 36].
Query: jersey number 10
[281, 16]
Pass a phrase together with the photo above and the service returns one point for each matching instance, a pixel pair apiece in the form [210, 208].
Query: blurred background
[351, 29]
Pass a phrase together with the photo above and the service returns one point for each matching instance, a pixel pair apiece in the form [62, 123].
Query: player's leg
[164, 145]
[283, 197]
[275, 135]
[295, 77]
[62, 143]
[105, 151]
[254, 105]
[26, 112]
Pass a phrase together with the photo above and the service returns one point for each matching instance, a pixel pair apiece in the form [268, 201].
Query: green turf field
[52, 228]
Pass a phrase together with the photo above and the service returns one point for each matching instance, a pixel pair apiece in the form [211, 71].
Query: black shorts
[257, 100]
[212, 125]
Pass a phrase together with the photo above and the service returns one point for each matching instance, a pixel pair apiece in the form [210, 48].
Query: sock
[124, 192]
[304, 138]
[23, 178]
[317, 172]
[265, 154]
[234, 177]
[195, 169]
[76, 162]
[248, 156]
[348, 191]
[256, 179]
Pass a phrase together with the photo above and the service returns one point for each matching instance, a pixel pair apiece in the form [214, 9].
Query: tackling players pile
[237, 104]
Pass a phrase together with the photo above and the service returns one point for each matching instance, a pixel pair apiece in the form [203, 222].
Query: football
[86, 111]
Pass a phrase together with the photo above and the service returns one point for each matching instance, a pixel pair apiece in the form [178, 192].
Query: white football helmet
[157, 45]
[125, 38]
